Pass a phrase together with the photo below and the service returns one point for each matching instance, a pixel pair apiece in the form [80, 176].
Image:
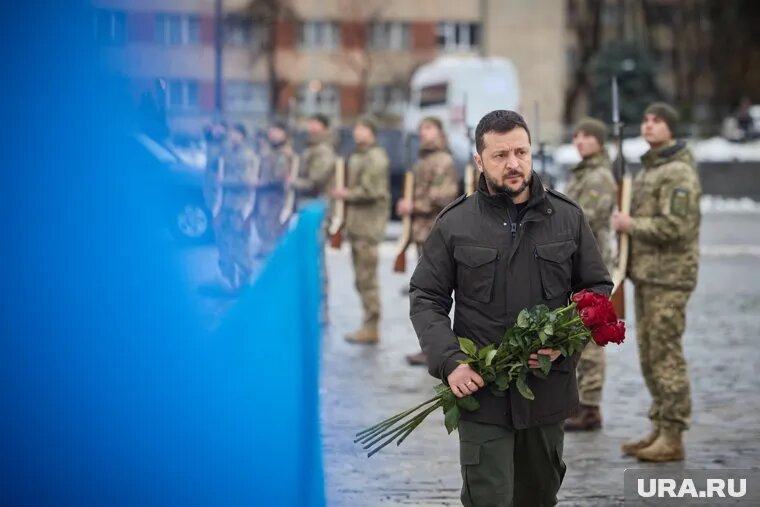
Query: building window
[110, 27]
[177, 29]
[182, 94]
[386, 99]
[324, 99]
[319, 35]
[458, 36]
[389, 36]
[246, 96]
[241, 33]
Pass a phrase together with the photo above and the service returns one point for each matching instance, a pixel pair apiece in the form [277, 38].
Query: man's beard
[504, 189]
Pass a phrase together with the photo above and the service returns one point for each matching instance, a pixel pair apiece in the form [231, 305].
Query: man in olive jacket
[510, 245]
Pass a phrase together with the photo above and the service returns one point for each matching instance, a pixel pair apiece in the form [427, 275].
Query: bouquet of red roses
[567, 329]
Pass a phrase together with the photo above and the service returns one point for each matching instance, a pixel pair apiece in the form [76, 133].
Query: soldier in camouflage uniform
[233, 208]
[316, 178]
[270, 196]
[663, 265]
[435, 186]
[367, 200]
[593, 187]
[317, 169]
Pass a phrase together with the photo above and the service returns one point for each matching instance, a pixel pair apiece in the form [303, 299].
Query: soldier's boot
[668, 446]
[367, 335]
[588, 418]
[631, 446]
[418, 359]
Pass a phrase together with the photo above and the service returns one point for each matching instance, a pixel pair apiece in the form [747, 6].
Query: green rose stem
[403, 430]
[365, 434]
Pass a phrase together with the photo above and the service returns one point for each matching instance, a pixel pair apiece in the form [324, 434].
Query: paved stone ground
[362, 385]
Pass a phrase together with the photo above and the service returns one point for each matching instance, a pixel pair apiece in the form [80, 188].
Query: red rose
[604, 306]
[593, 316]
[611, 332]
[583, 299]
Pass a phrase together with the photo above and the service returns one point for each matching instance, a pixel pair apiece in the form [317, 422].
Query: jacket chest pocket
[476, 269]
[555, 267]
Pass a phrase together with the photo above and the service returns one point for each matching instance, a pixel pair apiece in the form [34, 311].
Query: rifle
[338, 219]
[470, 179]
[399, 266]
[290, 197]
[541, 153]
[624, 205]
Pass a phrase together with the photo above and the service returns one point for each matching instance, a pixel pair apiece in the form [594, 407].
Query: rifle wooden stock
[619, 274]
[469, 179]
[338, 218]
[399, 266]
[290, 198]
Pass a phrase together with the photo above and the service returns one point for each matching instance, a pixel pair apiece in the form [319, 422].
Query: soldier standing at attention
[593, 187]
[270, 198]
[664, 260]
[367, 200]
[236, 182]
[435, 186]
[317, 169]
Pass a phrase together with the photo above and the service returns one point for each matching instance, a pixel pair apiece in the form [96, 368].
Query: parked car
[180, 187]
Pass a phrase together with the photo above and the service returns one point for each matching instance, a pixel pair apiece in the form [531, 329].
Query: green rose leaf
[523, 320]
[468, 347]
[441, 388]
[468, 403]
[545, 363]
[483, 353]
[502, 381]
[489, 357]
[451, 418]
[542, 337]
[522, 387]
[549, 329]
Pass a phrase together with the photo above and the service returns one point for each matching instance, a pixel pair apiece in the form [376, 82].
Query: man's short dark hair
[240, 128]
[500, 121]
[324, 120]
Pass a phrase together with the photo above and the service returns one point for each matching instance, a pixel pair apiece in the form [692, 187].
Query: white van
[460, 91]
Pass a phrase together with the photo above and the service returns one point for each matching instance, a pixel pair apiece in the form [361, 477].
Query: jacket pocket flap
[556, 252]
[474, 256]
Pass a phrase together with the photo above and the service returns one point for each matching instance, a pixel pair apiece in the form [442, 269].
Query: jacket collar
[538, 206]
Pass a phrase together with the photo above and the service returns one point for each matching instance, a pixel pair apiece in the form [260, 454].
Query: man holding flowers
[509, 246]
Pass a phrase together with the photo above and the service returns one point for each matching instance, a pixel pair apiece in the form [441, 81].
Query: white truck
[460, 91]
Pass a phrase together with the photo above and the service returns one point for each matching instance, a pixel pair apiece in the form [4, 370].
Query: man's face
[315, 128]
[586, 145]
[654, 130]
[363, 134]
[506, 161]
[236, 137]
[429, 134]
[276, 136]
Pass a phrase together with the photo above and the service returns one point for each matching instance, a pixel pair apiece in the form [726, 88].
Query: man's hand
[404, 207]
[464, 381]
[339, 193]
[533, 359]
[621, 222]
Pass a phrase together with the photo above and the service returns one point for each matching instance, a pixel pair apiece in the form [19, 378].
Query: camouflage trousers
[660, 323]
[233, 235]
[364, 257]
[267, 219]
[591, 375]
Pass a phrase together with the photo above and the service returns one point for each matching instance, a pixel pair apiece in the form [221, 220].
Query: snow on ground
[715, 149]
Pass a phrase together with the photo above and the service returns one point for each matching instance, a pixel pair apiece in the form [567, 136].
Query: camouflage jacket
[593, 187]
[368, 201]
[240, 171]
[665, 209]
[435, 186]
[317, 170]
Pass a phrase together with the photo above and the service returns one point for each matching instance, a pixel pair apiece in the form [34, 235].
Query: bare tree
[264, 18]
[586, 17]
[360, 58]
